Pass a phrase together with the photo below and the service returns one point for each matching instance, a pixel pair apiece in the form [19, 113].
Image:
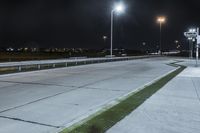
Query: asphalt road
[48, 100]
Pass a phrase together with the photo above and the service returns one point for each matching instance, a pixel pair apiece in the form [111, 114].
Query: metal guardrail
[48, 64]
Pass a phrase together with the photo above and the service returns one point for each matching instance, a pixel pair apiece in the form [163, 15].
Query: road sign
[193, 35]
[190, 34]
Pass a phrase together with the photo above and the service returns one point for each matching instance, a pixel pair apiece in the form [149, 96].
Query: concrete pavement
[173, 109]
[48, 100]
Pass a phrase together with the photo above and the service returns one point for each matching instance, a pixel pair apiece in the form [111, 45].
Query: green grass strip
[105, 120]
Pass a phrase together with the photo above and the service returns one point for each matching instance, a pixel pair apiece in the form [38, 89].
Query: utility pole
[197, 47]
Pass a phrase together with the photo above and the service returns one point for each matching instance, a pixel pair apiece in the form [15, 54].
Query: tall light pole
[161, 20]
[118, 9]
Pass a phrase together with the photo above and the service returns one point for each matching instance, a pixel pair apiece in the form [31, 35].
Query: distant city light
[10, 49]
[176, 41]
[105, 37]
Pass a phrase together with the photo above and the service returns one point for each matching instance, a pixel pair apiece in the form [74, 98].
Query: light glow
[119, 7]
[161, 19]
[192, 30]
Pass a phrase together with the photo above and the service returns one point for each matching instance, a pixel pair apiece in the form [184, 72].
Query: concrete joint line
[196, 90]
[32, 122]
[41, 99]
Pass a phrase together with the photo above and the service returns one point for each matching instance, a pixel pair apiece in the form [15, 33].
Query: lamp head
[119, 8]
[161, 19]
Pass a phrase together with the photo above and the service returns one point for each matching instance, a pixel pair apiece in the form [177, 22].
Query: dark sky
[82, 23]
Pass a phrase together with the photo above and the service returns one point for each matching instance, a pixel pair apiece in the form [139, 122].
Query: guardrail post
[66, 64]
[54, 65]
[20, 68]
[39, 66]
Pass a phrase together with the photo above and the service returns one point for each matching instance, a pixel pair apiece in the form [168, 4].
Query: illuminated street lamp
[176, 41]
[177, 44]
[104, 38]
[119, 8]
[161, 20]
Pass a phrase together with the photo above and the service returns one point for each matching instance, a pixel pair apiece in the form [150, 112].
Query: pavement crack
[105, 79]
[32, 122]
[103, 89]
[42, 84]
[31, 83]
[41, 99]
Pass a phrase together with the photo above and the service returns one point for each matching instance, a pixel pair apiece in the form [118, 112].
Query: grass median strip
[105, 120]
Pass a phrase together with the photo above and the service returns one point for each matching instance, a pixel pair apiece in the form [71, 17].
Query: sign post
[197, 47]
[197, 54]
[190, 48]
[193, 36]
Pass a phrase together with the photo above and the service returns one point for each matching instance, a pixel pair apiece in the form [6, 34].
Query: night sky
[82, 23]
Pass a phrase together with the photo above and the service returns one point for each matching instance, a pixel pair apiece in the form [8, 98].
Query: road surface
[48, 100]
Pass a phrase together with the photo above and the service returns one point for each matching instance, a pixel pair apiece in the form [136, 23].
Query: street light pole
[161, 20]
[118, 8]
[111, 38]
[191, 47]
[160, 37]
